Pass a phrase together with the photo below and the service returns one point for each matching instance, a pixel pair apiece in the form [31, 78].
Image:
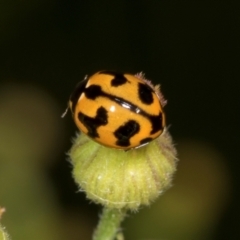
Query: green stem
[109, 224]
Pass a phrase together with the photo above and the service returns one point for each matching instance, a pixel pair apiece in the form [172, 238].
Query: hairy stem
[109, 224]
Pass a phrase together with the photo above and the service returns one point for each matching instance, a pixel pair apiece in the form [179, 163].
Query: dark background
[190, 47]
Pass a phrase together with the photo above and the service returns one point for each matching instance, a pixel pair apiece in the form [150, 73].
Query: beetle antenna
[64, 113]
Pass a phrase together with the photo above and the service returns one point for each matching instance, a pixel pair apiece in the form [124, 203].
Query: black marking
[79, 89]
[145, 140]
[93, 91]
[101, 119]
[156, 122]
[125, 132]
[118, 79]
[145, 93]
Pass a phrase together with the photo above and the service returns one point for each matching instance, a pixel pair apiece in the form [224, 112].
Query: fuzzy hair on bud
[123, 179]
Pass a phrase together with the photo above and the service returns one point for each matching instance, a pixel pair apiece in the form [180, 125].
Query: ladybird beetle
[117, 110]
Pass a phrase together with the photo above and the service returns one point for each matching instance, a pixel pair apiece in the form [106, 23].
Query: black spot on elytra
[156, 122]
[80, 88]
[93, 91]
[145, 140]
[118, 79]
[125, 132]
[145, 93]
[92, 124]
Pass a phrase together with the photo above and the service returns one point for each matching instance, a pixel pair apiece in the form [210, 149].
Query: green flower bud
[123, 179]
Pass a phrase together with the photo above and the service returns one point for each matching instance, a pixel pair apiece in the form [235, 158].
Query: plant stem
[109, 224]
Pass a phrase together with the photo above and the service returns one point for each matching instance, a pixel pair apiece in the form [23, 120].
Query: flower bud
[123, 179]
